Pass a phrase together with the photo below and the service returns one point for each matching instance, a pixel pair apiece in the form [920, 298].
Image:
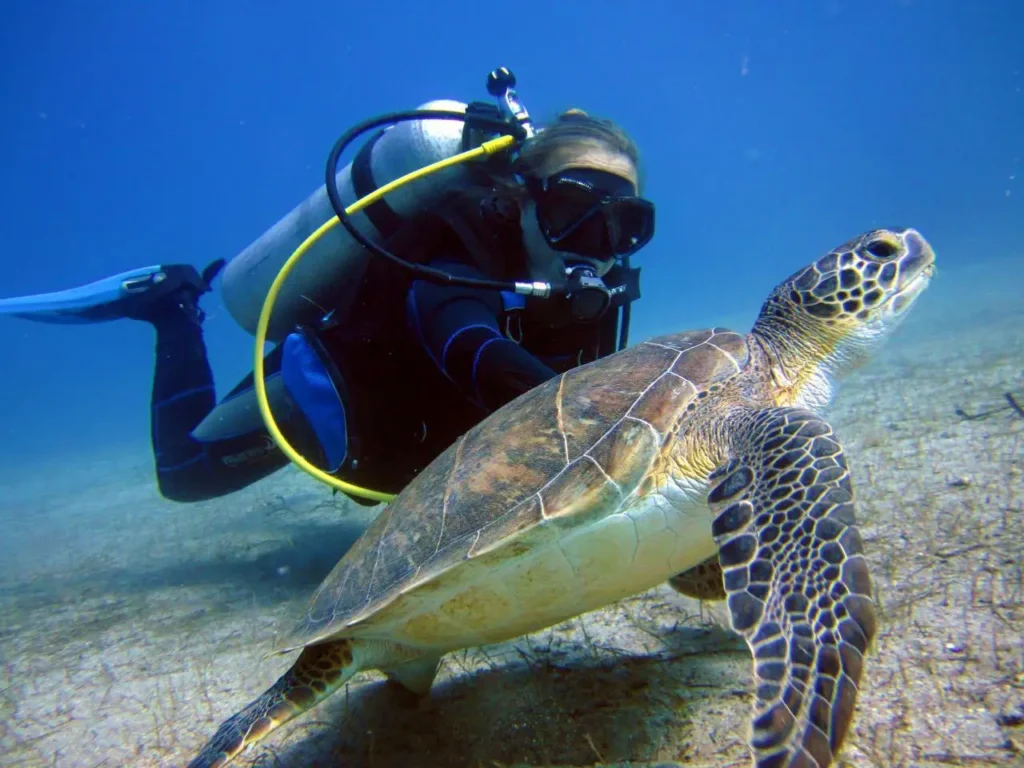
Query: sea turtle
[701, 456]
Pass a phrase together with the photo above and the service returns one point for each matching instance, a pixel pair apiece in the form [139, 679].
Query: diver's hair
[569, 129]
[573, 127]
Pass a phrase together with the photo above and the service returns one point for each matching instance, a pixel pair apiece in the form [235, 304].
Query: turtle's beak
[916, 268]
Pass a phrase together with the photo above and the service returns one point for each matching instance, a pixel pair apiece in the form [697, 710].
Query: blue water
[142, 133]
[139, 133]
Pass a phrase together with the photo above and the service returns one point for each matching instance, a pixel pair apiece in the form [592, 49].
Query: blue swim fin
[128, 294]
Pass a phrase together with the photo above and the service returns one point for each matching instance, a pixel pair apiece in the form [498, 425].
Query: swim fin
[134, 294]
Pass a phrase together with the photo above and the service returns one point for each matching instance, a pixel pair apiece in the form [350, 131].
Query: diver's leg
[183, 392]
[183, 395]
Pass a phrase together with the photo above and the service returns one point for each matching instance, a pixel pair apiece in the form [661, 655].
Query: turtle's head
[828, 317]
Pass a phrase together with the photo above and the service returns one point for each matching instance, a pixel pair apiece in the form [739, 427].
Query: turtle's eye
[881, 249]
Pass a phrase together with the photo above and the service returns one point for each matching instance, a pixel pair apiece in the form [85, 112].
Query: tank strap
[490, 238]
[380, 214]
[415, 239]
[470, 136]
[481, 170]
[615, 331]
[482, 259]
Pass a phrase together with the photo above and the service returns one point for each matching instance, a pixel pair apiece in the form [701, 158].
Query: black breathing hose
[626, 312]
[494, 125]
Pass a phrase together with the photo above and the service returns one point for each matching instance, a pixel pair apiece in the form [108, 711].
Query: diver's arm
[458, 327]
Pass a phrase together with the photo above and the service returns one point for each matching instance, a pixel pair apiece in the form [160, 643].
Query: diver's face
[584, 209]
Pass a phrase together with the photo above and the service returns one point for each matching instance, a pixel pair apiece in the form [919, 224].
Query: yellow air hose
[487, 148]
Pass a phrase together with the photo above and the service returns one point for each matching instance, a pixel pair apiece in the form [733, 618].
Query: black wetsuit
[421, 364]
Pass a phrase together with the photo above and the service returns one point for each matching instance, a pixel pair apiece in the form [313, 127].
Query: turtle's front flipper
[317, 673]
[797, 584]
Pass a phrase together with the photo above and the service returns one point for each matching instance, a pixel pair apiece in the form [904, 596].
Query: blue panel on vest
[511, 300]
[310, 386]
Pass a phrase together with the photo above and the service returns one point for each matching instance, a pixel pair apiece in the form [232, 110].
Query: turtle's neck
[802, 364]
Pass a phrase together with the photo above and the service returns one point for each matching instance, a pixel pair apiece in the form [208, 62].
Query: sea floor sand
[131, 627]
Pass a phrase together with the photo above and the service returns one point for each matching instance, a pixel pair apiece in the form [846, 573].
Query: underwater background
[138, 133]
[147, 133]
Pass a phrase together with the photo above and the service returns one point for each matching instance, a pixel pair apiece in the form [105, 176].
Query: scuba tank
[333, 260]
[331, 271]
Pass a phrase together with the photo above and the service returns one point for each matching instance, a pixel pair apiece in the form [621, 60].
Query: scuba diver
[373, 387]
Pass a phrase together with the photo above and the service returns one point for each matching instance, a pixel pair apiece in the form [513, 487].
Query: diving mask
[591, 213]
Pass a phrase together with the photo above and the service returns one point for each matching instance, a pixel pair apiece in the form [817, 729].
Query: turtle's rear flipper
[415, 676]
[317, 673]
[798, 587]
[702, 582]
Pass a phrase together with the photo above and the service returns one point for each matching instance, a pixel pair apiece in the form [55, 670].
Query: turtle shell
[559, 457]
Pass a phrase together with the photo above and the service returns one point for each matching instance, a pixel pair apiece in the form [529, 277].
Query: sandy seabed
[131, 627]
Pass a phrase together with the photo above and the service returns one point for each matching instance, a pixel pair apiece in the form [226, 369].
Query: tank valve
[499, 81]
[501, 84]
